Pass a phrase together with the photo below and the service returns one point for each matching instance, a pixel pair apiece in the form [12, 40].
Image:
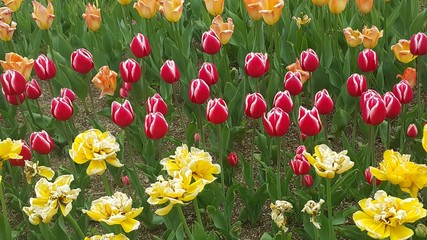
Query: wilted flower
[106, 81]
[385, 215]
[313, 209]
[108, 236]
[31, 169]
[115, 210]
[97, 147]
[278, 210]
[223, 30]
[301, 21]
[18, 63]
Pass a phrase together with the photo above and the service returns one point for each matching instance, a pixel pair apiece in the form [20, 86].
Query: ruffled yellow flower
[313, 208]
[18, 63]
[198, 161]
[177, 190]
[96, 147]
[353, 37]
[424, 140]
[115, 210]
[10, 149]
[109, 236]
[172, 9]
[398, 170]
[271, 10]
[402, 52]
[13, 4]
[32, 169]
[371, 36]
[278, 211]
[43, 15]
[384, 216]
[327, 162]
[106, 81]
[92, 16]
[50, 197]
[223, 30]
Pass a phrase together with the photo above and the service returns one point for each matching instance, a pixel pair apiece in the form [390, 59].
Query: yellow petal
[165, 210]
[96, 168]
[400, 232]
[130, 224]
[46, 172]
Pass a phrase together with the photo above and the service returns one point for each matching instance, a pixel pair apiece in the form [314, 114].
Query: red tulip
[403, 91]
[156, 104]
[13, 82]
[276, 122]
[26, 156]
[256, 64]
[293, 83]
[233, 159]
[140, 47]
[122, 114]
[323, 102]
[41, 142]
[169, 72]
[82, 61]
[284, 101]
[373, 108]
[392, 105]
[197, 137]
[300, 150]
[123, 93]
[125, 180]
[61, 108]
[127, 86]
[216, 111]
[367, 60]
[356, 85]
[307, 180]
[418, 44]
[309, 60]
[66, 92]
[208, 73]
[412, 131]
[255, 105]
[32, 89]
[130, 71]
[370, 178]
[155, 126]
[309, 121]
[299, 165]
[199, 91]
[13, 99]
[210, 43]
[44, 67]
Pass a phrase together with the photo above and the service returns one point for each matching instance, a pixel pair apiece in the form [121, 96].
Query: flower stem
[420, 99]
[184, 222]
[279, 156]
[51, 89]
[200, 125]
[329, 202]
[371, 146]
[402, 129]
[197, 210]
[325, 130]
[251, 162]
[7, 234]
[76, 226]
[106, 184]
[218, 128]
[89, 89]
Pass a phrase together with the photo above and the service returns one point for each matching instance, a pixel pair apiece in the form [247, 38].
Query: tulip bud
[392, 105]
[155, 126]
[81, 61]
[26, 156]
[323, 102]
[373, 109]
[216, 111]
[418, 44]
[122, 114]
[300, 166]
[255, 105]
[283, 100]
[61, 108]
[403, 91]
[367, 95]
[92, 17]
[364, 6]
[421, 231]
[370, 178]
[13, 99]
[319, 3]
[276, 122]
[33, 90]
[43, 15]
[356, 85]
[309, 60]
[208, 73]
[13, 82]
[256, 64]
[127, 86]
[233, 159]
[412, 131]
[125, 180]
[140, 47]
[172, 9]
[337, 6]
[309, 121]
[66, 92]
[169, 72]
[199, 91]
[293, 83]
[367, 60]
[307, 180]
[197, 137]
[156, 104]
[44, 67]
[41, 142]
[130, 71]
[210, 43]
[300, 150]
[123, 93]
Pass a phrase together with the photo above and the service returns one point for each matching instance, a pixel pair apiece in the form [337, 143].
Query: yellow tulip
[424, 140]
[172, 9]
[214, 7]
[18, 63]
[42, 15]
[146, 8]
[353, 37]
[410, 75]
[97, 148]
[371, 36]
[5, 15]
[10, 149]
[115, 210]
[124, 2]
[253, 7]
[13, 4]
[319, 2]
[398, 170]
[32, 169]
[223, 30]
[6, 31]
[271, 10]
[364, 6]
[337, 6]
[106, 81]
[384, 216]
[402, 52]
[109, 236]
[92, 17]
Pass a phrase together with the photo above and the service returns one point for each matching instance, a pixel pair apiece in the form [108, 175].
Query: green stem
[279, 158]
[7, 234]
[76, 226]
[286, 168]
[28, 126]
[27, 104]
[144, 95]
[420, 99]
[403, 129]
[197, 210]
[251, 162]
[387, 140]
[184, 222]
[218, 128]
[89, 89]
[329, 203]
[106, 184]
[325, 130]
[177, 107]
[354, 126]
[51, 89]
[371, 146]
[200, 125]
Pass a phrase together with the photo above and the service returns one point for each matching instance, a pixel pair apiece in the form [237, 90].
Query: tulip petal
[165, 210]
[96, 167]
[400, 232]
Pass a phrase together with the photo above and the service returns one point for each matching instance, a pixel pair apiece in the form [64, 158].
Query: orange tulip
[146, 8]
[337, 6]
[18, 63]
[92, 17]
[410, 75]
[253, 7]
[353, 37]
[223, 30]
[6, 31]
[371, 36]
[214, 7]
[364, 6]
[319, 2]
[13, 4]
[172, 9]
[401, 51]
[271, 10]
[106, 81]
[42, 15]
[5, 15]
[124, 2]
[296, 67]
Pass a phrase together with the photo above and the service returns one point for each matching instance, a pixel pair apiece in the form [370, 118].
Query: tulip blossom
[13, 82]
[199, 91]
[337, 6]
[371, 35]
[210, 43]
[424, 139]
[255, 105]
[214, 7]
[309, 60]
[356, 85]
[24, 156]
[293, 83]
[373, 108]
[223, 30]
[283, 100]
[253, 7]
[233, 159]
[156, 104]
[13, 99]
[278, 213]
[92, 16]
[412, 131]
[309, 121]
[108, 236]
[169, 72]
[140, 47]
[367, 60]
[276, 122]
[43, 15]
[353, 37]
[364, 6]
[41, 142]
[7, 30]
[125, 180]
[97, 148]
[62, 108]
[82, 61]
[31, 169]
[402, 51]
[172, 9]
[307, 180]
[10, 149]
[301, 21]
[122, 114]
[6, 15]
[130, 71]
[392, 105]
[370, 178]
[66, 92]
[314, 210]
[106, 81]
[123, 93]
[146, 8]
[256, 64]
[208, 73]
[44, 67]
[296, 67]
[410, 75]
[18, 63]
[403, 91]
[155, 125]
[115, 210]
[13, 4]
[300, 165]
[216, 111]
[323, 102]
[418, 44]
[271, 10]
[319, 3]
[124, 2]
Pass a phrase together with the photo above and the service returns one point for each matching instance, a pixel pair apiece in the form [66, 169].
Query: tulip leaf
[418, 23]
[352, 232]
[341, 120]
